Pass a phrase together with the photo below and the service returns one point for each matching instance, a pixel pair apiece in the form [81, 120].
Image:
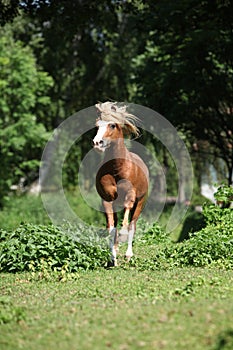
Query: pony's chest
[118, 169]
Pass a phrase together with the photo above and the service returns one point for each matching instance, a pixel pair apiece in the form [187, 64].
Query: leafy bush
[213, 244]
[36, 247]
[224, 196]
[151, 234]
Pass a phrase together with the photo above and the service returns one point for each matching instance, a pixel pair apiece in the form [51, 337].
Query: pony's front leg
[111, 218]
[132, 227]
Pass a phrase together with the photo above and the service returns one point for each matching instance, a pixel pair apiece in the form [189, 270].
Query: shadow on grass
[194, 222]
[225, 340]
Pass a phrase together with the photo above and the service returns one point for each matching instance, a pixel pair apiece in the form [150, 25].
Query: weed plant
[212, 245]
[36, 247]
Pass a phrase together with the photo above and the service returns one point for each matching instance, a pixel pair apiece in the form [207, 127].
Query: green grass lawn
[120, 308]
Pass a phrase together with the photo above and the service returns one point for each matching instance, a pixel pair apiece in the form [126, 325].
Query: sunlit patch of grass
[120, 309]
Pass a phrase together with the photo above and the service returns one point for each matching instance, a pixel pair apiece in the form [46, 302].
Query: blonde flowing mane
[110, 111]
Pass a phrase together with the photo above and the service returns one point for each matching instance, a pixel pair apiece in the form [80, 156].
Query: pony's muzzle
[100, 144]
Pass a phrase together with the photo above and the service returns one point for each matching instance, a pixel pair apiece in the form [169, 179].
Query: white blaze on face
[99, 142]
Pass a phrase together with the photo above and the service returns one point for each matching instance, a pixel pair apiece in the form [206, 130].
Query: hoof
[123, 235]
[127, 258]
[123, 238]
[111, 263]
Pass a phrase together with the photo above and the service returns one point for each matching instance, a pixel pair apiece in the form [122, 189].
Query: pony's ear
[99, 111]
[97, 106]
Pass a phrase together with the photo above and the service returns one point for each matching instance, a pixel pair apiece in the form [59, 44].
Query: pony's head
[113, 122]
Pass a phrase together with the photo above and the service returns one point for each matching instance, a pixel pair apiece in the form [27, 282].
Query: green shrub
[224, 196]
[154, 234]
[36, 247]
[212, 244]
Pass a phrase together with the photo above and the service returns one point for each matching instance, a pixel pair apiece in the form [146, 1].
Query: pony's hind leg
[132, 227]
[111, 218]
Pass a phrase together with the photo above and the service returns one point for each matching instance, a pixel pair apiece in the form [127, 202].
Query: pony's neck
[117, 149]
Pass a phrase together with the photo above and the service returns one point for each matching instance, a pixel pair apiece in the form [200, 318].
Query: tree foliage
[22, 97]
[9, 9]
[174, 57]
[186, 70]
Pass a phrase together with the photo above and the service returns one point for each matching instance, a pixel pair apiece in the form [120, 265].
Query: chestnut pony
[123, 177]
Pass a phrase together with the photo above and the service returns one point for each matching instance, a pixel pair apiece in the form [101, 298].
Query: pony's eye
[112, 126]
